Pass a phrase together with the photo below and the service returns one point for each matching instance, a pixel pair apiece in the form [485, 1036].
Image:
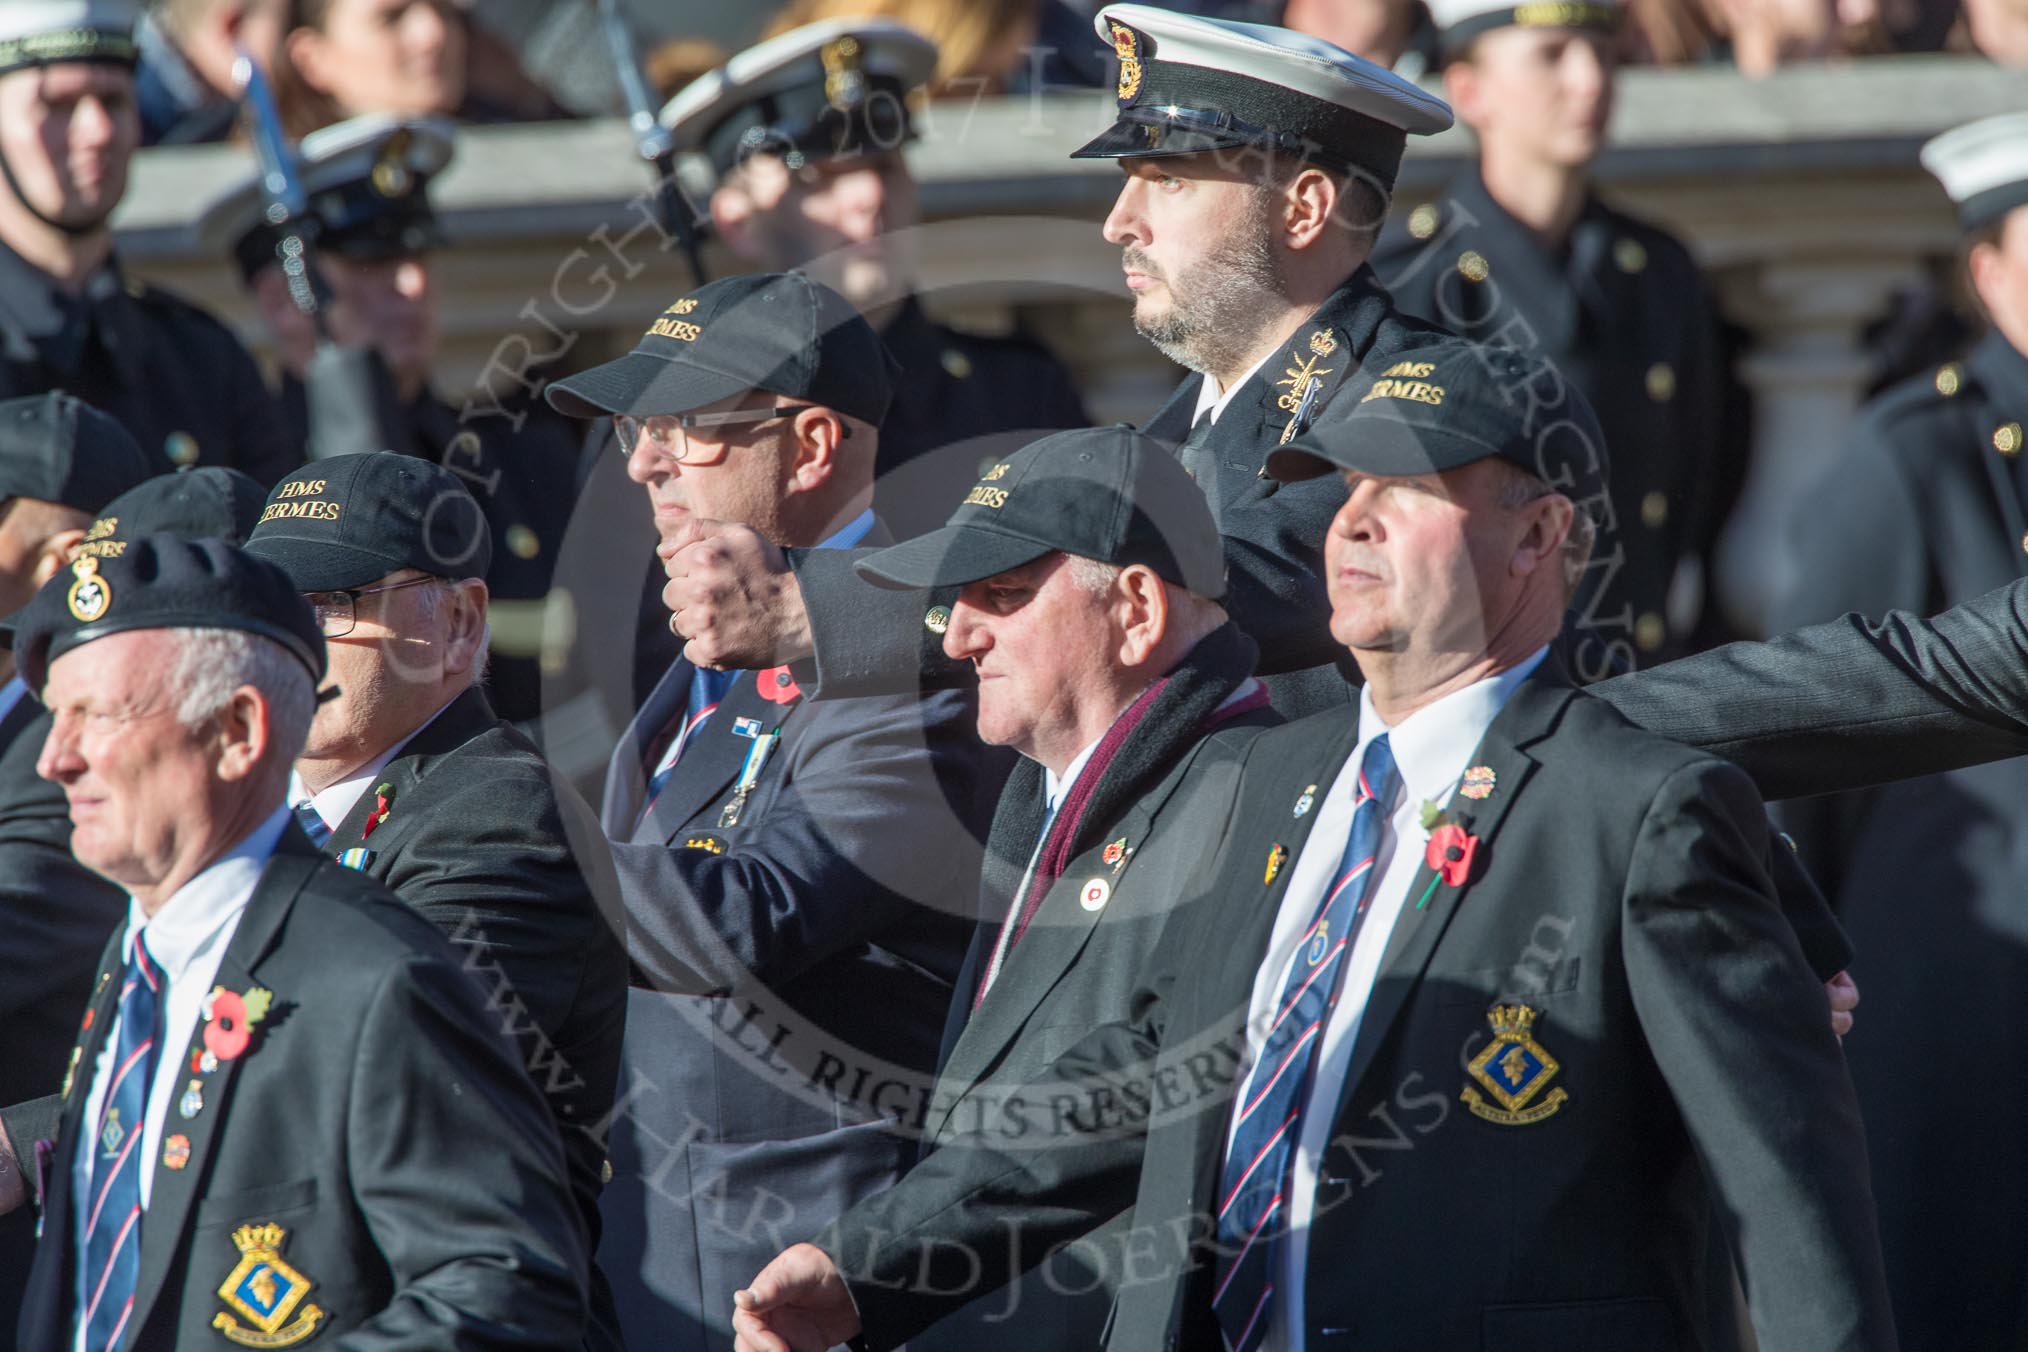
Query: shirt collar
[852, 533]
[1053, 784]
[197, 911]
[334, 802]
[1432, 744]
[1210, 397]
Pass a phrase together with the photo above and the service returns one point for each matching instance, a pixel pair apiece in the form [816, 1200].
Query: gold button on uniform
[1472, 265]
[1630, 255]
[1649, 631]
[522, 542]
[181, 448]
[1422, 222]
[1949, 377]
[938, 620]
[465, 443]
[1655, 510]
[957, 363]
[2007, 438]
[1661, 382]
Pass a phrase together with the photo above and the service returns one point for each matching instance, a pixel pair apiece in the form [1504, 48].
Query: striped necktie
[1253, 1209]
[313, 823]
[109, 1205]
[707, 691]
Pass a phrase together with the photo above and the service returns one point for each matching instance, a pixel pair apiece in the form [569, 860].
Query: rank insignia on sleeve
[1515, 1069]
[264, 1290]
[708, 844]
[1277, 856]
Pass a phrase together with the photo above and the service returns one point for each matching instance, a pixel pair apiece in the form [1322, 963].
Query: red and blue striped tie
[1253, 1207]
[109, 1200]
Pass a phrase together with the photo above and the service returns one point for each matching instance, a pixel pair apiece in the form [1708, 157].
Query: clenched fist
[732, 598]
[798, 1304]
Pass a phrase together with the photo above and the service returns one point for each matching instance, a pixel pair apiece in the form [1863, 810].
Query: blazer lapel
[175, 1190]
[461, 720]
[711, 762]
[1172, 421]
[1530, 713]
[98, 1019]
[627, 772]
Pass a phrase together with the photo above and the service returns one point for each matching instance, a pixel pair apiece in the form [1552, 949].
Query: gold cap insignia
[265, 1291]
[1514, 1068]
[90, 595]
[844, 77]
[1127, 45]
[391, 175]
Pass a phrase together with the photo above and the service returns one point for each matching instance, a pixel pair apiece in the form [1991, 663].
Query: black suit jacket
[378, 1118]
[1274, 532]
[485, 843]
[1622, 895]
[55, 915]
[792, 970]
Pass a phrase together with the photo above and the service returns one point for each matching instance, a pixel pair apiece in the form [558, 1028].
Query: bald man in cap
[61, 462]
[1520, 251]
[69, 316]
[289, 1112]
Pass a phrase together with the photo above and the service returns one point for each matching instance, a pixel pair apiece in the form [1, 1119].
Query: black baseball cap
[162, 582]
[56, 448]
[1449, 405]
[347, 520]
[1105, 493]
[216, 502]
[777, 331]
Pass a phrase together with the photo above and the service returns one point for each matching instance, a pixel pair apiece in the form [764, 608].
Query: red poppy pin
[230, 1018]
[776, 686]
[383, 803]
[1450, 852]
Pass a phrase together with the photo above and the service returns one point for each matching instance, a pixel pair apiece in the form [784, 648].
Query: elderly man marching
[284, 1087]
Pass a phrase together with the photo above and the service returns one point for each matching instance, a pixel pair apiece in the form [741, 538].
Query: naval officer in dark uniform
[1519, 251]
[1926, 507]
[70, 318]
[806, 131]
[368, 184]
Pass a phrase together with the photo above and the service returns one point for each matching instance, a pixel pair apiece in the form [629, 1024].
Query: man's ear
[245, 729]
[1983, 265]
[57, 552]
[465, 626]
[305, 48]
[817, 434]
[1141, 606]
[1461, 91]
[732, 218]
[1550, 518]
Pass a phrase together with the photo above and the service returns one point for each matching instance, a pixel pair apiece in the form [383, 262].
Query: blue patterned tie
[707, 689]
[1253, 1211]
[109, 1206]
[313, 823]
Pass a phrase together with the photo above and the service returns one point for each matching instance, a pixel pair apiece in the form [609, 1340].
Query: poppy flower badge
[777, 686]
[229, 1022]
[1449, 852]
[383, 803]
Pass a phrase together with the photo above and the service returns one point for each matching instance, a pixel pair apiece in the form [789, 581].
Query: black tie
[1198, 459]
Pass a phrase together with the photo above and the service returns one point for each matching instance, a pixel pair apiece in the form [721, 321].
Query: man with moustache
[1471, 967]
[1520, 252]
[69, 318]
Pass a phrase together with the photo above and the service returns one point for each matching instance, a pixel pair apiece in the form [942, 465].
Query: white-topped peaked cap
[827, 88]
[41, 32]
[1983, 165]
[1459, 21]
[367, 182]
[1190, 84]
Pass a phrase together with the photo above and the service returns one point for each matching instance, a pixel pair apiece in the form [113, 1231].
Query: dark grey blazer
[379, 1119]
[1622, 894]
[791, 972]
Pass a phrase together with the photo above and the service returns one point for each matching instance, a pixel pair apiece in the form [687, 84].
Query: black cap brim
[642, 384]
[320, 565]
[950, 557]
[1378, 447]
[1152, 140]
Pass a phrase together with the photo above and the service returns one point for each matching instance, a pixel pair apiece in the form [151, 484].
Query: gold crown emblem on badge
[844, 76]
[1126, 45]
[1511, 1020]
[265, 1236]
[391, 176]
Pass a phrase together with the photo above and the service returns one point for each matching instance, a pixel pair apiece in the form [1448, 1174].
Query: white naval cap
[366, 180]
[40, 32]
[827, 88]
[1459, 21]
[1983, 165]
[1190, 84]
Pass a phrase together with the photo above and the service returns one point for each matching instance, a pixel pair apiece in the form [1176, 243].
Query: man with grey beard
[1257, 164]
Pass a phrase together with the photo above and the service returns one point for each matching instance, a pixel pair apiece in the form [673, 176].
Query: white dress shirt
[1432, 748]
[1211, 400]
[187, 937]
